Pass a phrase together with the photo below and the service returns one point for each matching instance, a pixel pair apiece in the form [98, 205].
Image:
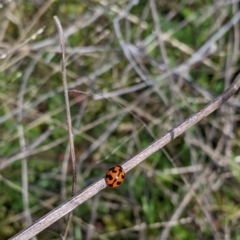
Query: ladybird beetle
[114, 176]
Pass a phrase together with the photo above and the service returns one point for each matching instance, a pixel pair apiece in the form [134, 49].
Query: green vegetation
[189, 169]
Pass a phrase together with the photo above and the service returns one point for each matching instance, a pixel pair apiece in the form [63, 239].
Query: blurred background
[135, 70]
